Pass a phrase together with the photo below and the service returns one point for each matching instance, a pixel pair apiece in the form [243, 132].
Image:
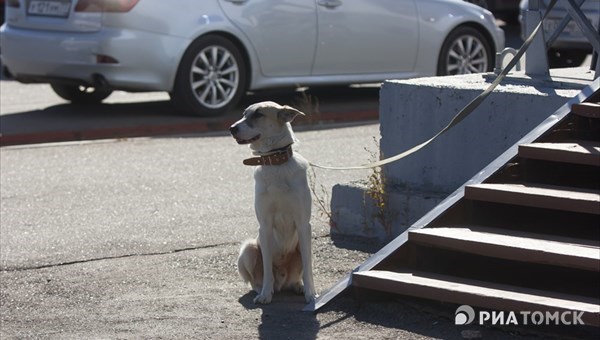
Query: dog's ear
[288, 113]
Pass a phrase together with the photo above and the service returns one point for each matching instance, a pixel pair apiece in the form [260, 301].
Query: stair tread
[538, 195]
[528, 234]
[511, 245]
[586, 153]
[475, 293]
[588, 109]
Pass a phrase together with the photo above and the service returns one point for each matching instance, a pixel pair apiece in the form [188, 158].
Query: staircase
[526, 238]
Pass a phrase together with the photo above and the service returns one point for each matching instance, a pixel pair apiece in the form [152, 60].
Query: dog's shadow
[283, 318]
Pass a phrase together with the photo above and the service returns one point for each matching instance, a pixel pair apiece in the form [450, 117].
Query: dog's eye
[257, 115]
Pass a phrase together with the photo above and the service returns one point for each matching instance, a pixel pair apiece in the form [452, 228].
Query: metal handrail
[536, 60]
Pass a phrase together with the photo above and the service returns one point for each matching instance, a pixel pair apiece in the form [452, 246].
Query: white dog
[281, 256]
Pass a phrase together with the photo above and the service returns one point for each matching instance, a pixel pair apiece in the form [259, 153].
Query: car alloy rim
[467, 55]
[214, 77]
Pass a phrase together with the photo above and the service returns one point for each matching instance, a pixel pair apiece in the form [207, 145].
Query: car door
[366, 36]
[282, 32]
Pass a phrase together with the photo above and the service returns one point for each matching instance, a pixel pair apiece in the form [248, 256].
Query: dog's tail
[250, 264]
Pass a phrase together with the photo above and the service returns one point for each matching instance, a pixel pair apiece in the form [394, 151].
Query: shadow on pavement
[283, 318]
[68, 122]
[349, 242]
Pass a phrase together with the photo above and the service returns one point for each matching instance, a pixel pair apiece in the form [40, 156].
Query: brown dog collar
[276, 157]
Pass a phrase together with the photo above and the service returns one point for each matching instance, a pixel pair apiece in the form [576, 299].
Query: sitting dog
[281, 257]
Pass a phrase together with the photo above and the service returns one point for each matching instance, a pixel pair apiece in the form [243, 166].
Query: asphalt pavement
[138, 238]
[77, 201]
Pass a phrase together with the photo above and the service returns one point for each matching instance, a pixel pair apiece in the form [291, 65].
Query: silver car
[208, 53]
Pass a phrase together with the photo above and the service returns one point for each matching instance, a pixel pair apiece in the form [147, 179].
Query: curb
[203, 125]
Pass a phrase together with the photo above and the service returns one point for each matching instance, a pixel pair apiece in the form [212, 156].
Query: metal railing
[536, 57]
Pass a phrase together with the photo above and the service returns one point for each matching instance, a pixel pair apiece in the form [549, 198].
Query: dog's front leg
[305, 240]
[265, 237]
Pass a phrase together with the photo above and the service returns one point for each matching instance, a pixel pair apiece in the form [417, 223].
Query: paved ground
[138, 238]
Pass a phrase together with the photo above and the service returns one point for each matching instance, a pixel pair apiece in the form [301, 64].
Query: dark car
[507, 10]
[571, 47]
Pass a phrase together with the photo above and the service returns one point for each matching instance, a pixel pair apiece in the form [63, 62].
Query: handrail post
[536, 57]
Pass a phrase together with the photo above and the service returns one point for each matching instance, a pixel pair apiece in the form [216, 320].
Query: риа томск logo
[465, 315]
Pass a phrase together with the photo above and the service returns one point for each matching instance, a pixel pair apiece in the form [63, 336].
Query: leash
[466, 111]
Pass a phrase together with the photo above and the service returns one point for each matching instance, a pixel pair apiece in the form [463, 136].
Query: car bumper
[141, 61]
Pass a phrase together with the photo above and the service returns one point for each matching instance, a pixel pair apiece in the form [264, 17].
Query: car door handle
[329, 3]
[237, 2]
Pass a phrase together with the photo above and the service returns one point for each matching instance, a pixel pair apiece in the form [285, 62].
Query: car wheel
[464, 51]
[79, 94]
[559, 58]
[211, 77]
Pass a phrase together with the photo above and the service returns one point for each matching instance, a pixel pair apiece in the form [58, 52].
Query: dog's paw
[263, 299]
[309, 296]
[297, 288]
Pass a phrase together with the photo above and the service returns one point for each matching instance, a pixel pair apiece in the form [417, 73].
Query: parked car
[571, 47]
[507, 10]
[208, 53]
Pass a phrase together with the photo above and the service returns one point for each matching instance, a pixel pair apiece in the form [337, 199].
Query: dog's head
[265, 126]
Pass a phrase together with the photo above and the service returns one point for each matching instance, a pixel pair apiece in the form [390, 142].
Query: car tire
[211, 78]
[559, 58]
[465, 50]
[81, 94]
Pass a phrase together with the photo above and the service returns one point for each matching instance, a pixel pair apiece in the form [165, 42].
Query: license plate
[56, 8]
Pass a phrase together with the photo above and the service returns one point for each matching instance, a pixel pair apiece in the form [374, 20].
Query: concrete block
[414, 110]
[355, 213]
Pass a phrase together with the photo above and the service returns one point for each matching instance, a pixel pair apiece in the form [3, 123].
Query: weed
[376, 190]
[320, 197]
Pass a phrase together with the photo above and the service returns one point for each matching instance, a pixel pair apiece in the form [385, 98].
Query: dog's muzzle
[234, 130]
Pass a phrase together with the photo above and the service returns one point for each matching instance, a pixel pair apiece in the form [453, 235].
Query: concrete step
[477, 293]
[511, 245]
[539, 196]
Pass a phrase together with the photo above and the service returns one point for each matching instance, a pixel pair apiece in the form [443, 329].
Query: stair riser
[534, 220]
[460, 296]
[490, 269]
[507, 252]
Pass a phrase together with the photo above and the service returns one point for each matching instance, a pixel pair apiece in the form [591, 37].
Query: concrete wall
[412, 111]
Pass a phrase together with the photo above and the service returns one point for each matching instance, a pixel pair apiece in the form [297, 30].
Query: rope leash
[466, 111]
